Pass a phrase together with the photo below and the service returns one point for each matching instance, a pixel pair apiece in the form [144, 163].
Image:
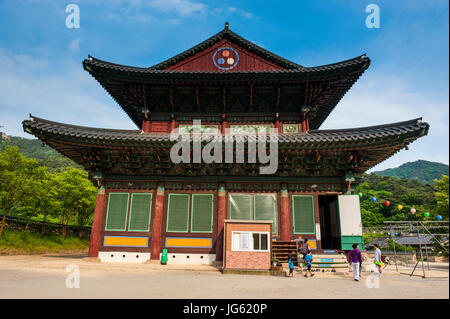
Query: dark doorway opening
[330, 229]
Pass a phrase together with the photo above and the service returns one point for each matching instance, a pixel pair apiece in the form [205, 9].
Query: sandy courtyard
[45, 277]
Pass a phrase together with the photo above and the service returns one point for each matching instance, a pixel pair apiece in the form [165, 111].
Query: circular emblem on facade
[225, 58]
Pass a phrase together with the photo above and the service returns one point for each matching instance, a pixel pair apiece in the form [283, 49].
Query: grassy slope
[16, 242]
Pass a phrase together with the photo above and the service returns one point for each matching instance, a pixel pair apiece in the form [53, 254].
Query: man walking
[355, 261]
[377, 259]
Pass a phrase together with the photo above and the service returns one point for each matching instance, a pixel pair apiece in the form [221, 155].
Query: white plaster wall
[190, 259]
[123, 257]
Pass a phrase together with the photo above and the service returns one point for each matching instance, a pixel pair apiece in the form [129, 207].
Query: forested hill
[33, 148]
[422, 171]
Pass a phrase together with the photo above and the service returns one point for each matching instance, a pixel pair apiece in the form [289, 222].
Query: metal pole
[426, 248]
[395, 253]
[421, 255]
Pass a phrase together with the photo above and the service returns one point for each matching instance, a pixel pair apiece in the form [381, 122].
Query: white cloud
[41, 87]
[182, 8]
[232, 10]
[74, 45]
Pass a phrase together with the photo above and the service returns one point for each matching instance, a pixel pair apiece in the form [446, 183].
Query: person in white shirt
[377, 259]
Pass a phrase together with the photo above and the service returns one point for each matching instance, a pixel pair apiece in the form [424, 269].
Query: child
[308, 262]
[291, 266]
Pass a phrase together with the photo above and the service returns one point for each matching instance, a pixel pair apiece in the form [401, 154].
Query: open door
[350, 220]
[329, 222]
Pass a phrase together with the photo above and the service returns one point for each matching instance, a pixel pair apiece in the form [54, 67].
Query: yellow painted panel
[188, 242]
[312, 244]
[126, 241]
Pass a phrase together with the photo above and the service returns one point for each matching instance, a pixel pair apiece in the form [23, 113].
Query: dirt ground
[46, 276]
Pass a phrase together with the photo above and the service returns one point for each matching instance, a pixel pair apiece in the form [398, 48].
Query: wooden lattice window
[254, 207]
[303, 214]
[202, 213]
[178, 213]
[240, 206]
[140, 212]
[116, 217]
[265, 208]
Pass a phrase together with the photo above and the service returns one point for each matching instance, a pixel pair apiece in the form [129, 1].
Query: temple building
[147, 203]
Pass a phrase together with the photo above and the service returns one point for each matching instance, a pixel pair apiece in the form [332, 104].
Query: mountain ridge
[420, 170]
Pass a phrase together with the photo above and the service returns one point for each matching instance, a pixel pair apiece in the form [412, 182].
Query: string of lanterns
[400, 207]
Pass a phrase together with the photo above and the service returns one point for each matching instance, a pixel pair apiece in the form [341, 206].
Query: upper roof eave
[361, 60]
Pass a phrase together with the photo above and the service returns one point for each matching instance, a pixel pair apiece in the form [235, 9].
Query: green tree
[75, 193]
[29, 205]
[47, 204]
[15, 175]
[442, 195]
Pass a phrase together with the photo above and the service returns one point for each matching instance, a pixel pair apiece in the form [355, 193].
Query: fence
[19, 223]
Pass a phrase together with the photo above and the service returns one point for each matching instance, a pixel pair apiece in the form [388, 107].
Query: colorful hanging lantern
[373, 199]
[410, 235]
[439, 217]
[413, 211]
[426, 214]
[387, 203]
[399, 207]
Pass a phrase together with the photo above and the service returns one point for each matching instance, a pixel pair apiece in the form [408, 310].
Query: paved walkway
[46, 276]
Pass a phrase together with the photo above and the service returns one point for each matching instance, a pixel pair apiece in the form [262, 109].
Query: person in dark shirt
[304, 247]
[355, 260]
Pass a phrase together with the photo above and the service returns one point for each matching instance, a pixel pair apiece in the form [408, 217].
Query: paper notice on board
[318, 231]
[244, 241]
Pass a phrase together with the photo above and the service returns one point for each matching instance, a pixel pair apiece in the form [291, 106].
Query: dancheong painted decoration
[225, 58]
[147, 202]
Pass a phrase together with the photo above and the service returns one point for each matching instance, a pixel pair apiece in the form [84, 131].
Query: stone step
[335, 256]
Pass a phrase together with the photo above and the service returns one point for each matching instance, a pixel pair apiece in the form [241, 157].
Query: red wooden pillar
[224, 124]
[146, 126]
[172, 123]
[221, 215]
[277, 125]
[305, 123]
[157, 223]
[285, 221]
[97, 223]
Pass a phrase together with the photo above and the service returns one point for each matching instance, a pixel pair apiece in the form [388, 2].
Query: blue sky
[41, 71]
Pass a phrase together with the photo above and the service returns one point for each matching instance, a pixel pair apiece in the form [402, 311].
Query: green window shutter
[241, 206]
[116, 218]
[178, 213]
[303, 213]
[140, 212]
[265, 209]
[202, 213]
